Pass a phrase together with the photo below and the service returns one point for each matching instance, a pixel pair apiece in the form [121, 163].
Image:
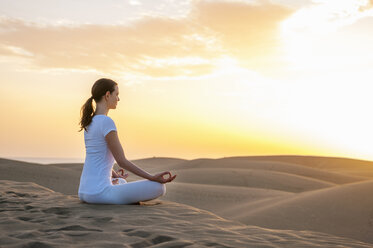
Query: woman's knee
[162, 189]
[158, 189]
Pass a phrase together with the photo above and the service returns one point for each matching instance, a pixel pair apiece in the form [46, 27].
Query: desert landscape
[253, 201]
[261, 109]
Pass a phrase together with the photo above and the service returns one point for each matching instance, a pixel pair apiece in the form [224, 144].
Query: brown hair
[99, 89]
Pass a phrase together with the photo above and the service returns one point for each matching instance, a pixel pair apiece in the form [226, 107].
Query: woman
[99, 183]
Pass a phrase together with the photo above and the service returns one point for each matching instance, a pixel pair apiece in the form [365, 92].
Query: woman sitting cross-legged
[99, 183]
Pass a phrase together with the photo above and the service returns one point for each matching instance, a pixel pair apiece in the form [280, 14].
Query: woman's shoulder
[104, 120]
[103, 117]
[107, 120]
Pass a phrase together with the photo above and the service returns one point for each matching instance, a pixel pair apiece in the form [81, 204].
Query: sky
[197, 79]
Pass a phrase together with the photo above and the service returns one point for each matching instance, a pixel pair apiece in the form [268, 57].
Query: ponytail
[86, 113]
[99, 89]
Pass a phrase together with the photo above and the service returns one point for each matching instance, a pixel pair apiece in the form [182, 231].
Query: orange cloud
[212, 29]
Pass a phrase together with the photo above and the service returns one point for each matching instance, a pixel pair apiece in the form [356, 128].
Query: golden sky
[196, 78]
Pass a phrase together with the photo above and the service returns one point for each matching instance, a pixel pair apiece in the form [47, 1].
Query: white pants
[127, 193]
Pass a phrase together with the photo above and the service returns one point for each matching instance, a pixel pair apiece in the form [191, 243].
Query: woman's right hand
[159, 177]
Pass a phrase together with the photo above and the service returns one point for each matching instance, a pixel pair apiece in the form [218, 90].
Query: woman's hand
[159, 177]
[120, 174]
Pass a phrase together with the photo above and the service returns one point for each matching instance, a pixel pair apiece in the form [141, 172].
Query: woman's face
[113, 98]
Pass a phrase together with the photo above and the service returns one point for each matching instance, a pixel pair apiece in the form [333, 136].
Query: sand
[268, 201]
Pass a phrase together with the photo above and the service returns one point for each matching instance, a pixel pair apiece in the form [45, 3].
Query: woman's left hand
[121, 174]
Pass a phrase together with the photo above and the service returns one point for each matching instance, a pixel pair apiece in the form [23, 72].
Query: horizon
[58, 160]
[196, 78]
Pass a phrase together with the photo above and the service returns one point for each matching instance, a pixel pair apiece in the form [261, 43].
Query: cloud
[325, 16]
[248, 32]
[154, 46]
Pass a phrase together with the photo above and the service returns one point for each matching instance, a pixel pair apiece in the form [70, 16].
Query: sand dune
[251, 178]
[296, 169]
[158, 162]
[344, 165]
[34, 216]
[287, 164]
[344, 210]
[56, 178]
[217, 198]
[263, 192]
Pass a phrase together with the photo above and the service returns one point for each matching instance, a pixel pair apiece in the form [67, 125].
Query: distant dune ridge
[266, 201]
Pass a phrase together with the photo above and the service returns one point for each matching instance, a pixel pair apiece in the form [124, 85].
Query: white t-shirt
[99, 160]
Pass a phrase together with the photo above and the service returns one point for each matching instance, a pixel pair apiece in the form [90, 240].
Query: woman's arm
[118, 153]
